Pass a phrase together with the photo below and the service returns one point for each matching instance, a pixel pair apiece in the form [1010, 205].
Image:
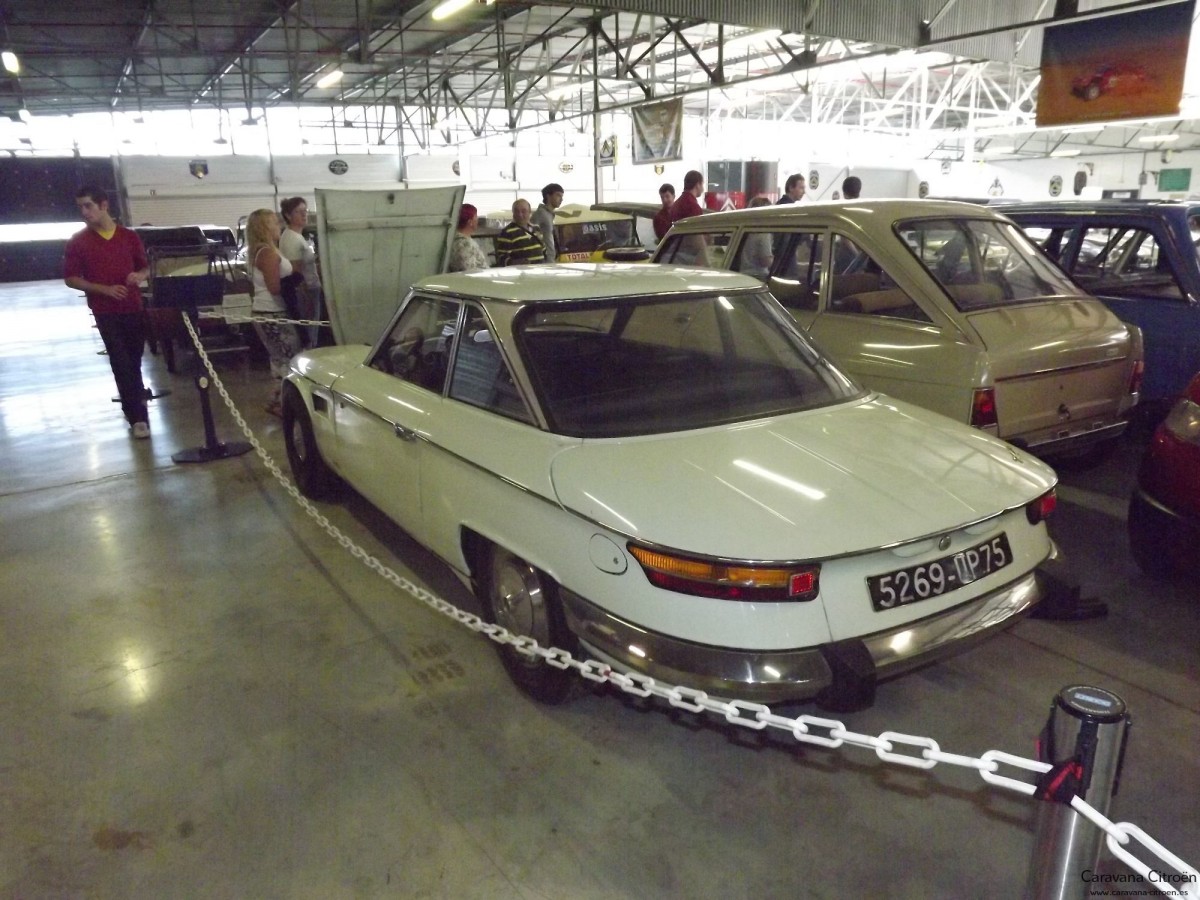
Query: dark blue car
[1140, 258]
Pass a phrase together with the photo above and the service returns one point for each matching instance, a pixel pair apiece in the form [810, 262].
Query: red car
[1164, 512]
[1119, 78]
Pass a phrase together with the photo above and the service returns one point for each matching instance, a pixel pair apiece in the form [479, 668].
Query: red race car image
[1109, 79]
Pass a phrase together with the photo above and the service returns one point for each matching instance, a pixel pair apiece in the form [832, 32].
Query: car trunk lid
[1062, 363]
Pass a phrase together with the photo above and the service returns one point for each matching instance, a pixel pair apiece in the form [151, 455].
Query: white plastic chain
[831, 733]
[243, 320]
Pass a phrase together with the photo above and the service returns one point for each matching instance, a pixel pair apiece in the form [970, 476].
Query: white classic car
[947, 305]
[654, 465]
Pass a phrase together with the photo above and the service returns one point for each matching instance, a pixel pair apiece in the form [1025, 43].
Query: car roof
[585, 281]
[841, 209]
[1076, 207]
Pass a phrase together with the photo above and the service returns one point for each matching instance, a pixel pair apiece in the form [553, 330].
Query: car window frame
[384, 343]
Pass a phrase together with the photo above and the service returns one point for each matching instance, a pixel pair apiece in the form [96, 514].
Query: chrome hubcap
[518, 600]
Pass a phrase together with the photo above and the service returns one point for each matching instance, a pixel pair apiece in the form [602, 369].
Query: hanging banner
[658, 132]
[1124, 66]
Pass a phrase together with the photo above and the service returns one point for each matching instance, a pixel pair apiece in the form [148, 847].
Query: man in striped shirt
[519, 242]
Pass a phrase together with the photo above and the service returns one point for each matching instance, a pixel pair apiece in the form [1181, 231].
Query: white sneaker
[141, 430]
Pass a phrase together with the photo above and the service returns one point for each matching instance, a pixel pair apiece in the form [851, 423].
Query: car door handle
[405, 434]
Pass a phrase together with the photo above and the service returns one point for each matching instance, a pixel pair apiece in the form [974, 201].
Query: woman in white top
[300, 253]
[267, 267]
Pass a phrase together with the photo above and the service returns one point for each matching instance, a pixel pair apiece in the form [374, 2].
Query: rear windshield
[588, 237]
[984, 263]
[638, 366]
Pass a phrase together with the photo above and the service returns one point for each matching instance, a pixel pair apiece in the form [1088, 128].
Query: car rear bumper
[773, 675]
[1069, 440]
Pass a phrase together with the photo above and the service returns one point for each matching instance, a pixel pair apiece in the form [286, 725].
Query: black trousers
[124, 336]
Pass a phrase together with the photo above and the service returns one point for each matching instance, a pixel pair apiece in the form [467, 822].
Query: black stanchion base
[208, 454]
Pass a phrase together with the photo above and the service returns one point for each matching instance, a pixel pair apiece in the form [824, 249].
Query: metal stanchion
[1084, 741]
[212, 449]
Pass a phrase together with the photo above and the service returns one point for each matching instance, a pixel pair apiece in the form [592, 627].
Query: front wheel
[525, 601]
[313, 477]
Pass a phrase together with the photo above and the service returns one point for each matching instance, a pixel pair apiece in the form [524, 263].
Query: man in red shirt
[107, 262]
[688, 204]
[662, 218]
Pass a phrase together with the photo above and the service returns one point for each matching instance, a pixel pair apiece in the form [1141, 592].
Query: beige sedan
[946, 305]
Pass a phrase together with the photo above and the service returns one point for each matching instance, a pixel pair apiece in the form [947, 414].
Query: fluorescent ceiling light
[1083, 129]
[330, 78]
[999, 150]
[1158, 138]
[448, 8]
[1065, 151]
[11, 63]
[25, 114]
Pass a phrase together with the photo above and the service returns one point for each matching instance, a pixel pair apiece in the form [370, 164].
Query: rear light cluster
[1183, 420]
[983, 408]
[1039, 510]
[727, 581]
[1135, 377]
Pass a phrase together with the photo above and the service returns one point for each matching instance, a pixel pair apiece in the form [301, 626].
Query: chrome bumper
[1070, 443]
[773, 675]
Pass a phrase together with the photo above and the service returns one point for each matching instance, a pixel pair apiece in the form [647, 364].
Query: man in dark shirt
[519, 242]
[107, 262]
[793, 189]
[688, 204]
[662, 218]
[851, 187]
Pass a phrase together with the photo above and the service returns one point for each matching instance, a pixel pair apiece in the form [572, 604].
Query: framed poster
[658, 131]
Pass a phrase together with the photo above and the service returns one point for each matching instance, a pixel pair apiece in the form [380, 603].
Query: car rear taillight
[983, 408]
[727, 581]
[1183, 420]
[1040, 509]
[1135, 377]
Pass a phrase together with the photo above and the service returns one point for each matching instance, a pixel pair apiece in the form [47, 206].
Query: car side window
[417, 349]
[1126, 259]
[797, 260]
[480, 375]
[860, 286]
[1051, 240]
[707, 250]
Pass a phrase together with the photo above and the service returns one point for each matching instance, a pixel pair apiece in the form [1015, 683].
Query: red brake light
[1040, 509]
[1135, 377]
[983, 408]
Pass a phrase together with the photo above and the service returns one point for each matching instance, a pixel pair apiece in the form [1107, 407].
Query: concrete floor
[203, 695]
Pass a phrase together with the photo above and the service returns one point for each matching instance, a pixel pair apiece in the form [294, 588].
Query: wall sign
[814, 179]
[1055, 185]
[198, 168]
[339, 166]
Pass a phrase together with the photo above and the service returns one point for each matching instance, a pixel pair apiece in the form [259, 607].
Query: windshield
[633, 365]
[984, 263]
[588, 237]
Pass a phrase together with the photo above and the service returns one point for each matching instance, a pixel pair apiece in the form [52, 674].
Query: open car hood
[374, 244]
[804, 486]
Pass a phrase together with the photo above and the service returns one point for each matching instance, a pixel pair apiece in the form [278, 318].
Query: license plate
[932, 579]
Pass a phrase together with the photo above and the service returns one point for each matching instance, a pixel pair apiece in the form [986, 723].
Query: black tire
[313, 477]
[525, 601]
[1158, 547]
[1091, 92]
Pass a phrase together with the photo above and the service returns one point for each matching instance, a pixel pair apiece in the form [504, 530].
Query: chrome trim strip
[1083, 439]
[1082, 367]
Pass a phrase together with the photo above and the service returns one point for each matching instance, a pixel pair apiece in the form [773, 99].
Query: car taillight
[1135, 377]
[983, 408]
[727, 581]
[1183, 421]
[1040, 509]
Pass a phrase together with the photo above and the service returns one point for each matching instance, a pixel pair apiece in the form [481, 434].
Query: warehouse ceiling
[937, 66]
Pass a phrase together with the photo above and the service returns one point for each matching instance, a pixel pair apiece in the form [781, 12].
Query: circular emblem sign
[814, 179]
[923, 190]
[1055, 185]
[338, 166]
[565, 167]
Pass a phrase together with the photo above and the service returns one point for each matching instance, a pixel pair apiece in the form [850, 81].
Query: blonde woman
[267, 267]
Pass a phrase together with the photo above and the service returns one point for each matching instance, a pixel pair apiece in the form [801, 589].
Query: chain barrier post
[212, 449]
[1084, 743]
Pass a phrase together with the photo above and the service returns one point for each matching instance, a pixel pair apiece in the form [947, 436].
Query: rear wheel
[313, 477]
[523, 600]
[1159, 548]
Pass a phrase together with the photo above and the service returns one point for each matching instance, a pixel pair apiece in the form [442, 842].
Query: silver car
[946, 305]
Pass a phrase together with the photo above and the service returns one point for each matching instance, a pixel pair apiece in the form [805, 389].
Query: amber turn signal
[727, 581]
